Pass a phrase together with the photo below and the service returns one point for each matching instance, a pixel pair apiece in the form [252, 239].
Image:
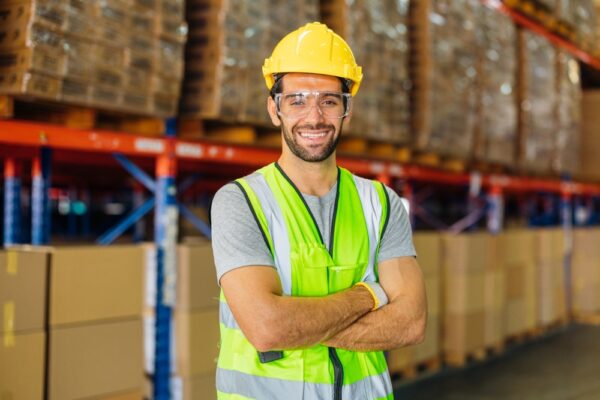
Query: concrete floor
[564, 365]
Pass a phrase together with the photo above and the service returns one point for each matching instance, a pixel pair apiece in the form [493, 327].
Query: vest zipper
[338, 374]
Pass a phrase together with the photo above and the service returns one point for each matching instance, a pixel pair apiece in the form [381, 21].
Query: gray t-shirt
[237, 240]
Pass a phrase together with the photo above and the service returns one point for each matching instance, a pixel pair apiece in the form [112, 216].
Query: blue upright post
[566, 213]
[139, 228]
[40, 199]
[495, 211]
[12, 202]
[165, 237]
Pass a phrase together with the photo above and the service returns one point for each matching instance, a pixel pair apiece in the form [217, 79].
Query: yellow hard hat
[314, 49]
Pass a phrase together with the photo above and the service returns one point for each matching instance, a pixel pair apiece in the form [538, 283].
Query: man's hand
[271, 321]
[401, 322]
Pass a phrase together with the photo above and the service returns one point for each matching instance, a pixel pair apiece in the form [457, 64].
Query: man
[316, 265]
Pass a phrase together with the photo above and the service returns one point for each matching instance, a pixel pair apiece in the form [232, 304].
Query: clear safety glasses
[299, 104]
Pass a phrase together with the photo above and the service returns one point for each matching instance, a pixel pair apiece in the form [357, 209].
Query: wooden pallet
[78, 117]
[460, 360]
[413, 371]
[435, 160]
[522, 337]
[351, 145]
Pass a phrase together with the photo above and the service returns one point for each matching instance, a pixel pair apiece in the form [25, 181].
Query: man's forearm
[299, 322]
[383, 329]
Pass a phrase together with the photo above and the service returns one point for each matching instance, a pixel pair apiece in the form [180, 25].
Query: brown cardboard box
[197, 286]
[494, 329]
[23, 279]
[467, 252]
[92, 283]
[551, 280]
[41, 86]
[33, 59]
[433, 288]
[199, 387]
[585, 271]
[95, 359]
[463, 333]
[196, 342]
[429, 252]
[135, 394]
[517, 255]
[22, 362]
[464, 293]
[411, 355]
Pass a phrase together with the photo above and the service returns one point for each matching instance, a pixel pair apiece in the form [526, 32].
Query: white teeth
[312, 135]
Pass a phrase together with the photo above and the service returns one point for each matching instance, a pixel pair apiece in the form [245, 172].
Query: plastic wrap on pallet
[227, 44]
[446, 83]
[497, 126]
[42, 86]
[538, 105]
[581, 16]
[377, 32]
[569, 114]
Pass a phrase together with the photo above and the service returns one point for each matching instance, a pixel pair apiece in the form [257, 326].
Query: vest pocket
[309, 270]
[344, 276]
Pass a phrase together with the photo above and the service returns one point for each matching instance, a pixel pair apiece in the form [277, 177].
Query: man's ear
[272, 108]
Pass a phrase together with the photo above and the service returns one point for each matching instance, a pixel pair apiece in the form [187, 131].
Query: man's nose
[314, 114]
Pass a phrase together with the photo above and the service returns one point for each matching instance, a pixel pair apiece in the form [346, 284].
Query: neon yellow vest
[307, 268]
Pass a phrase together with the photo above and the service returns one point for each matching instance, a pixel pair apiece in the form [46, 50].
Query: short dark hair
[278, 85]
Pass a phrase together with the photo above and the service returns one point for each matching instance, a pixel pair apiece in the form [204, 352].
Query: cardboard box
[585, 271]
[17, 36]
[589, 168]
[38, 85]
[197, 340]
[429, 252]
[431, 347]
[93, 283]
[23, 291]
[468, 252]
[22, 363]
[135, 394]
[464, 293]
[550, 254]
[33, 59]
[95, 359]
[197, 286]
[463, 333]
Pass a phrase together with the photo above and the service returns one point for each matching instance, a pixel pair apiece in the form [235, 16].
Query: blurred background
[119, 120]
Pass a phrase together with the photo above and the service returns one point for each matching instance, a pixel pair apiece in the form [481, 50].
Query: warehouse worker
[316, 265]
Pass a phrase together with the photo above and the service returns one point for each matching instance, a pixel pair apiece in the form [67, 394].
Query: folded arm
[399, 323]
[271, 321]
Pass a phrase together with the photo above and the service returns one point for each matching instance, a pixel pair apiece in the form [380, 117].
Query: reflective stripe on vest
[307, 268]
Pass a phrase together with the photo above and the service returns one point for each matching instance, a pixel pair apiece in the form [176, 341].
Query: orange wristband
[375, 299]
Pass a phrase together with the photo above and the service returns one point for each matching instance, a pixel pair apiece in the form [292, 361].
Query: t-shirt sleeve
[236, 238]
[397, 238]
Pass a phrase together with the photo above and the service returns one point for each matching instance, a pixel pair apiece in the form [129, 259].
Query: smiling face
[313, 137]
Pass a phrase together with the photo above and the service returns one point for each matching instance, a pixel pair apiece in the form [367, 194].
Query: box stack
[497, 125]
[228, 44]
[517, 254]
[585, 272]
[468, 258]
[568, 109]
[589, 168]
[378, 34]
[582, 16]
[429, 250]
[23, 289]
[95, 326]
[444, 71]
[98, 54]
[195, 324]
[538, 100]
[550, 258]
[494, 331]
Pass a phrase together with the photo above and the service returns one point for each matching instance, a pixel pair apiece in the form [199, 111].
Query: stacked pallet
[444, 71]
[538, 100]
[589, 168]
[497, 122]
[228, 44]
[124, 55]
[378, 34]
[585, 273]
[568, 111]
[195, 324]
[582, 16]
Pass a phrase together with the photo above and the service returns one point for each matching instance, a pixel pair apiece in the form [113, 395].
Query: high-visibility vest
[307, 268]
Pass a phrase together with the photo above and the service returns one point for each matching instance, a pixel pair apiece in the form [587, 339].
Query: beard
[305, 153]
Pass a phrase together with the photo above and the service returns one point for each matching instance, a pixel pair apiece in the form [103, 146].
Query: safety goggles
[299, 104]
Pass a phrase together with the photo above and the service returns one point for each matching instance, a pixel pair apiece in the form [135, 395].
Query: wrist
[377, 294]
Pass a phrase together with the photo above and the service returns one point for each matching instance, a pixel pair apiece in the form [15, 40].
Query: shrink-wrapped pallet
[228, 42]
[538, 101]
[568, 131]
[445, 76]
[497, 122]
[377, 32]
[124, 55]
